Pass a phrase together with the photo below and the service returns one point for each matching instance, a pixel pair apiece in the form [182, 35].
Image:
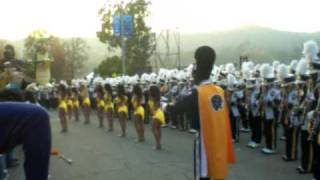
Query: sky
[72, 18]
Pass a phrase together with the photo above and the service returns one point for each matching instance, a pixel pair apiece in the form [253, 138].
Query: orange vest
[216, 131]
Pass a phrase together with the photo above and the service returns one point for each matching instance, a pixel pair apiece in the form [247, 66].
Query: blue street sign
[116, 25]
[127, 25]
[122, 25]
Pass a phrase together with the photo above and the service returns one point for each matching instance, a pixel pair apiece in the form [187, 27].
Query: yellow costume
[215, 132]
[108, 103]
[151, 106]
[100, 103]
[138, 109]
[70, 103]
[86, 101]
[159, 115]
[76, 103]
[63, 105]
[122, 105]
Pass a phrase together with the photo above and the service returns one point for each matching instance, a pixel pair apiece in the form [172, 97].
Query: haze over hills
[259, 43]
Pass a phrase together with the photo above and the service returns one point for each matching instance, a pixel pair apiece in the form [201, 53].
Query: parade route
[98, 155]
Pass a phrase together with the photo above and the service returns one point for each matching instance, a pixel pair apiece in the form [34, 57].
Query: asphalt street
[99, 155]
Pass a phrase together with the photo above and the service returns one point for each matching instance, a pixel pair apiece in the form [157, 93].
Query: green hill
[259, 43]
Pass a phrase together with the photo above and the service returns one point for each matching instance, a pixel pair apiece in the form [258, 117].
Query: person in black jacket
[27, 125]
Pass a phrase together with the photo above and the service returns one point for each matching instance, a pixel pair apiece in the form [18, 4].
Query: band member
[315, 139]
[294, 117]
[234, 110]
[69, 99]
[270, 96]
[158, 117]
[255, 118]
[296, 114]
[209, 110]
[138, 113]
[121, 102]
[85, 103]
[288, 96]
[286, 88]
[63, 108]
[242, 106]
[306, 144]
[307, 151]
[316, 170]
[315, 130]
[100, 104]
[109, 106]
[75, 103]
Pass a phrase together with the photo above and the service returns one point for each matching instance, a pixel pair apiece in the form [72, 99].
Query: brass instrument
[314, 125]
[261, 101]
[284, 107]
[298, 109]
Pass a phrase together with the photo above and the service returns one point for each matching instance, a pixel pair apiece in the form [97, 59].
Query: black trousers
[234, 126]
[283, 117]
[292, 135]
[244, 117]
[29, 125]
[306, 151]
[316, 167]
[176, 117]
[256, 128]
[179, 120]
[270, 133]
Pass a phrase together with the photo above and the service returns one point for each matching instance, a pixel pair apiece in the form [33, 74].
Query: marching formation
[270, 101]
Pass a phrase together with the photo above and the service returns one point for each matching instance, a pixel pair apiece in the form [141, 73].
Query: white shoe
[283, 138]
[192, 131]
[246, 130]
[268, 151]
[256, 145]
[164, 126]
[251, 144]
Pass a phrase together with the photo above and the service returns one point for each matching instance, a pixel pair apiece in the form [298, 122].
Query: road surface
[98, 155]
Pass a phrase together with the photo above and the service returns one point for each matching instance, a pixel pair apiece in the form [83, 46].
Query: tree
[58, 55]
[141, 45]
[110, 66]
[2, 45]
[40, 44]
[76, 53]
[37, 43]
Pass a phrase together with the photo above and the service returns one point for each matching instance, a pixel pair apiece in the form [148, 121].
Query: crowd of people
[270, 101]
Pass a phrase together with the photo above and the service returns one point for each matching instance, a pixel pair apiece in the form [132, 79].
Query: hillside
[259, 43]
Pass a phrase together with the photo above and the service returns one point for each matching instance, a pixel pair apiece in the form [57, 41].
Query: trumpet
[313, 125]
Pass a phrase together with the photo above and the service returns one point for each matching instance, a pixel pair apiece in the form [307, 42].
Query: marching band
[267, 100]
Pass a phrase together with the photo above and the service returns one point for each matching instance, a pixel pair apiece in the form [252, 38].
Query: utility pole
[168, 49]
[123, 43]
[178, 43]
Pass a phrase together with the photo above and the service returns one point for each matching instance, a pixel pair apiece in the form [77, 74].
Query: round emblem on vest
[217, 102]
